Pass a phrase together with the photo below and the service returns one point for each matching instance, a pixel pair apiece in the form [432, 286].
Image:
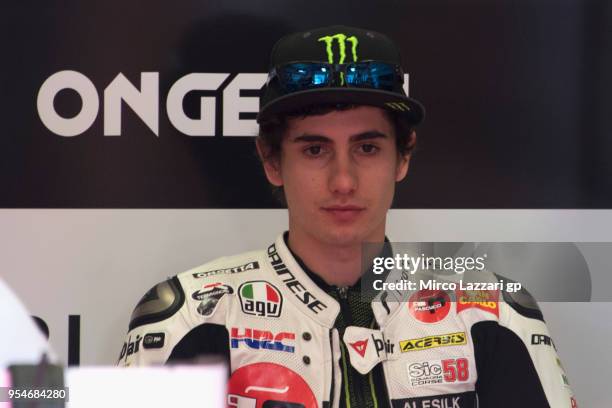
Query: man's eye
[368, 148]
[314, 150]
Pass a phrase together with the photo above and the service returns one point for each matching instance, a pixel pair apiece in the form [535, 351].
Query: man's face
[339, 172]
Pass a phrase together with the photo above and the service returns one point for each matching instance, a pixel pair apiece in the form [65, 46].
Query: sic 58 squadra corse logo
[445, 371]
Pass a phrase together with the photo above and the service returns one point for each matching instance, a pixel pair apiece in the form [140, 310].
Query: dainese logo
[360, 346]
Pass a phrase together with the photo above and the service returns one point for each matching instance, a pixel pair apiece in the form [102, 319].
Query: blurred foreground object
[102, 387]
[151, 387]
[22, 342]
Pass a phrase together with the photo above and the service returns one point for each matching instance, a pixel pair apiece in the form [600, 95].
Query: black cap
[336, 44]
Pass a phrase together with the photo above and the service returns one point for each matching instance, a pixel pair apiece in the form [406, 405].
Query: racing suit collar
[318, 280]
[307, 290]
[311, 274]
[299, 288]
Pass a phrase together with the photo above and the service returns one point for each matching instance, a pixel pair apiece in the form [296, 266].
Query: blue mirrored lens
[301, 76]
[378, 75]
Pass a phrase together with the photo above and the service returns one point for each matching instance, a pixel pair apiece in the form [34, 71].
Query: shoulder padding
[159, 303]
[522, 301]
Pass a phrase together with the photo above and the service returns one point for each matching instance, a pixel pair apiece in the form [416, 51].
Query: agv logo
[260, 298]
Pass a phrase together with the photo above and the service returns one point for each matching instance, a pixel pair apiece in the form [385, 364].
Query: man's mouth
[343, 212]
[343, 208]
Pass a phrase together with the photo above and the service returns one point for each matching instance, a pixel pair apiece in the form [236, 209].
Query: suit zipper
[347, 316]
[333, 374]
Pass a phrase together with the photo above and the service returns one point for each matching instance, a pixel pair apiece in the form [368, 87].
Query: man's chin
[344, 236]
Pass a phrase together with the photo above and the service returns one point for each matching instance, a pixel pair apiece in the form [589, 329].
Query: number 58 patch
[432, 372]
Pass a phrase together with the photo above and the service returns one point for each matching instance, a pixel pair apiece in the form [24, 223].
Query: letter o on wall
[90, 103]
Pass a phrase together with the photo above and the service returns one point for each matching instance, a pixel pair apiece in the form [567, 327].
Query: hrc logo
[262, 340]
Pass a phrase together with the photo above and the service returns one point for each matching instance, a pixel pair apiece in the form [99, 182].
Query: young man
[336, 134]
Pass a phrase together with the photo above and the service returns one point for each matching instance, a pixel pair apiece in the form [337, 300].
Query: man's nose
[343, 174]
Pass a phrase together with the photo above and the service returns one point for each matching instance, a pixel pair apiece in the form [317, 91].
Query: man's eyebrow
[307, 137]
[368, 135]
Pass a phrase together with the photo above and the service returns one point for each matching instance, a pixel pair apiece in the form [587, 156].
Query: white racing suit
[279, 331]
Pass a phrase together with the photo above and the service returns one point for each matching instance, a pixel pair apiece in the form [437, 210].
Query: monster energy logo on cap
[342, 39]
[343, 65]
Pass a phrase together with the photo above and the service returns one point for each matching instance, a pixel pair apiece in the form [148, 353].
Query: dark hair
[271, 133]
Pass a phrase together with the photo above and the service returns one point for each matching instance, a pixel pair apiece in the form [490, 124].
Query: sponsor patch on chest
[260, 298]
[437, 372]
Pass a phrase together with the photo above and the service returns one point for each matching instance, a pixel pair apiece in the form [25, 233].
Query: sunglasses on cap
[301, 76]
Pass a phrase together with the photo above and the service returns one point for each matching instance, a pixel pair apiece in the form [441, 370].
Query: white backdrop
[98, 263]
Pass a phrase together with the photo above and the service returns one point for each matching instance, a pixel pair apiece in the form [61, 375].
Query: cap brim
[407, 107]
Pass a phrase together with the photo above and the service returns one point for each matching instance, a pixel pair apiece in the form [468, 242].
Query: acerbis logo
[145, 102]
[262, 340]
[341, 40]
[424, 343]
[235, 269]
[260, 298]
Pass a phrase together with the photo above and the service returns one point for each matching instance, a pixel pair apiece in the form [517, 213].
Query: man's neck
[339, 265]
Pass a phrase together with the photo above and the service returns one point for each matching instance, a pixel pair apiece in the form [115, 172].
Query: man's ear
[270, 164]
[404, 160]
